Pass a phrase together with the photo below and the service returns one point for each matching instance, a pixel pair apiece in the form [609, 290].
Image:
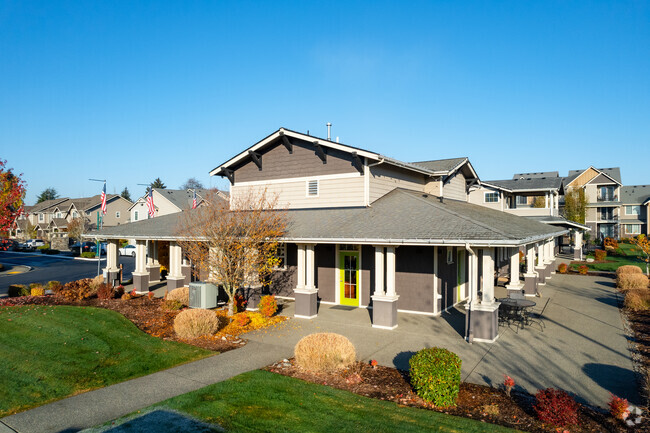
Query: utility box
[203, 295]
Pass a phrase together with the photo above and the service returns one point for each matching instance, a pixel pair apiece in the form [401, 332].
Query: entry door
[460, 275]
[349, 280]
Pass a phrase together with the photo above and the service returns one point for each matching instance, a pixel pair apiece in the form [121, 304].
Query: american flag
[152, 209]
[194, 201]
[104, 199]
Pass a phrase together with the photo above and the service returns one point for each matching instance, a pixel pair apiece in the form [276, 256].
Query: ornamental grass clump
[182, 295]
[435, 375]
[637, 300]
[324, 352]
[556, 407]
[268, 306]
[631, 281]
[196, 323]
[105, 291]
[171, 305]
[628, 269]
[76, 290]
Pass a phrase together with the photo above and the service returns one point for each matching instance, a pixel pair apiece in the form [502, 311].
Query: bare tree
[192, 183]
[77, 227]
[236, 248]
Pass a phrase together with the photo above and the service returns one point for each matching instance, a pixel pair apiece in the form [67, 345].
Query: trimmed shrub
[171, 304]
[435, 375]
[628, 269]
[610, 243]
[600, 255]
[38, 291]
[324, 352]
[637, 299]
[268, 306]
[16, 290]
[196, 323]
[556, 407]
[182, 295]
[88, 255]
[583, 269]
[562, 268]
[76, 290]
[631, 281]
[35, 285]
[242, 319]
[97, 281]
[105, 291]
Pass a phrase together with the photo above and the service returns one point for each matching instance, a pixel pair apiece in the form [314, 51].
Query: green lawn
[51, 352]
[261, 401]
[630, 257]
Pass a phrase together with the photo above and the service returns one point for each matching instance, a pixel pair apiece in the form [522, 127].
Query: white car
[35, 243]
[128, 250]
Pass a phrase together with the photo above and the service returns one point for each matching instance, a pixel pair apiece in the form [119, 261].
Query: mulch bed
[478, 402]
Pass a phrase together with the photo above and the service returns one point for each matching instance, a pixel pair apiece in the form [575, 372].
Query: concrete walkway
[582, 349]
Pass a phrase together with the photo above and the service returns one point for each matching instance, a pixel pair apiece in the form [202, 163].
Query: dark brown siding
[367, 273]
[447, 278]
[325, 274]
[283, 282]
[278, 163]
[414, 278]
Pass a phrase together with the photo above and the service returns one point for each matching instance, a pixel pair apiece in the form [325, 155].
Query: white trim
[366, 182]
[422, 313]
[485, 340]
[388, 328]
[485, 193]
[436, 295]
[297, 179]
[287, 298]
[298, 316]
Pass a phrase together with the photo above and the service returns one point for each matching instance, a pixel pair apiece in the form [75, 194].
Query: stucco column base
[549, 269]
[384, 311]
[154, 272]
[483, 322]
[541, 275]
[577, 253]
[253, 296]
[141, 282]
[306, 303]
[113, 277]
[175, 282]
[186, 270]
[530, 284]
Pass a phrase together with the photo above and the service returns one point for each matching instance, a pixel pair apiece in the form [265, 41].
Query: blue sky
[133, 90]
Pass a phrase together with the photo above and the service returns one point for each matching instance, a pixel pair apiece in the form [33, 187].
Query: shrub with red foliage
[562, 268]
[583, 269]
[618, 408]
[268, 305]
[242, 319]
[240, 303]
[105, 291]
[600, 255]
[556, 407]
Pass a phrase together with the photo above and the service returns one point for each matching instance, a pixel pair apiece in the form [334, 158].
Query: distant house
[633, 214]
[168, 201]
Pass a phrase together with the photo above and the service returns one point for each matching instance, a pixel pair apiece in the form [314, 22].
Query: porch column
[112, 263]
[305, 293]
[186, 270]
[175, 278]
[540, 268]
[140, 275]
[530, 277]
[153, 267]
[550, 258]
[384, 304]
[577, 245]
[484, 315]
[514, 284]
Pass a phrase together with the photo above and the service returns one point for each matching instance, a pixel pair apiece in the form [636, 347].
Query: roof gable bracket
[257, 159]
[320, 152]
[356, 162]
[229, 174]
[287, 143]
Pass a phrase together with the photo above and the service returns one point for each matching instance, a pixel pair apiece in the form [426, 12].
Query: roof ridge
[437, 206]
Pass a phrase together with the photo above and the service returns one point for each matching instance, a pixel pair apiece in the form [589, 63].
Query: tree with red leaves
[11, 196]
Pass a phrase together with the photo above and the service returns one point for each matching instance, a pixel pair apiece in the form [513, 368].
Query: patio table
[516, 310]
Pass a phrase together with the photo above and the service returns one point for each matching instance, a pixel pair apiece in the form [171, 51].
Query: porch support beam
[112, 262]
[153, 267]
[577, 245]
[530, 277]
[257, 159]
[175, 279]
[140, 275]
[305, 293]
[541, 267]
[384, 305]
[514, 284]
[320, 152]
[483, 315]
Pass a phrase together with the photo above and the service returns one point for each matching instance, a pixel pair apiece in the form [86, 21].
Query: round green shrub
[435, 375]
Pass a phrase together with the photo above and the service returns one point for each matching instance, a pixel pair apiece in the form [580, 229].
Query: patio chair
[533, 317]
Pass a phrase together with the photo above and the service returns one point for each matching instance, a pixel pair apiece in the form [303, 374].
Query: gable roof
[527, 184]
[442, 165]
[614, 173]
[44, 205]
[536, 175]
[635, 194]
[399, 217]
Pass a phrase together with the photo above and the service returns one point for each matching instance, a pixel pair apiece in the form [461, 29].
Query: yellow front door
[349, 280]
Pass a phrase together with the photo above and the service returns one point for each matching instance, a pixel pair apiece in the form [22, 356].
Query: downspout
[469, 335]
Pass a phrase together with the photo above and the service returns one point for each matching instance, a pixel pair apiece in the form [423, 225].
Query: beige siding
[120, 205]
[591, 193]
[385, 178]
[332, 192]
[477, 196]
[584, 177]
[455, 188]
[591, 214]
[433, 186]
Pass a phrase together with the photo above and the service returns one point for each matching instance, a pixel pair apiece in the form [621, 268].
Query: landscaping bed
[477, 402]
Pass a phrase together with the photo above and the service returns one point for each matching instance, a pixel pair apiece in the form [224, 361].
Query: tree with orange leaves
[642, 242]
[11, 196]
[235, 245]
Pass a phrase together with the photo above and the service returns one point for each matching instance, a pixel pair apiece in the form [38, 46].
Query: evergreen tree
[126, 194]
[47, 194]
[158, 184]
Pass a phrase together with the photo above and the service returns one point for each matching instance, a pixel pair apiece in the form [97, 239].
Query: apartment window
[607, 193]
[41, 217]
[450, 255]
[312, 188]
[522, 199]
[606, 213]
[281, 254]
[117, 214]
[58, 214]
[633, 229]
[135, 216]
[75, 214]
[491, 197]
[632, 210]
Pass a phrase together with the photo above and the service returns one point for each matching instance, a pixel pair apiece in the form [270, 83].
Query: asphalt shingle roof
[401, 216]
[635, 194]
[536, 175]
[441, 164]
[528, 183]
[181, 198]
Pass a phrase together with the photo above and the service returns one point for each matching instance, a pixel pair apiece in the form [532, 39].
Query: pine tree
[126, 194]
[158, 184]
[47, 194]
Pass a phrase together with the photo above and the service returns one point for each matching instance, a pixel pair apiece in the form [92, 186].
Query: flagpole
[98, 243]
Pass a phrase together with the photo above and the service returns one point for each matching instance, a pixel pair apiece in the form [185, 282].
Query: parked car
[128, 250]
[35, 243]
[82, 247]
[8, 244]
[103, 248]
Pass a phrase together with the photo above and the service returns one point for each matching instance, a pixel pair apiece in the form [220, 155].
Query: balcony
[607, 197]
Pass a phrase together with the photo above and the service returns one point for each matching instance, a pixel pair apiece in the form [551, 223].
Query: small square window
[41, 217]
[632, 210]
[281, 254]
[491, 197]
[312, 188]
[633, 229]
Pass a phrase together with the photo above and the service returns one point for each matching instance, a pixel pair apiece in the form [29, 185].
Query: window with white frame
[633, 229]
[450, 255]
[41, 217]
[135, 216]
[281, 255]
[117, 214]
[491, 197]
[312, 188]
[75, 214]
[633, 210]
[58, 214]
[522, 199]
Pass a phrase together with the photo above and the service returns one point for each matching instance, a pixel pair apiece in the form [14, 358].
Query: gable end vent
[312, 188]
